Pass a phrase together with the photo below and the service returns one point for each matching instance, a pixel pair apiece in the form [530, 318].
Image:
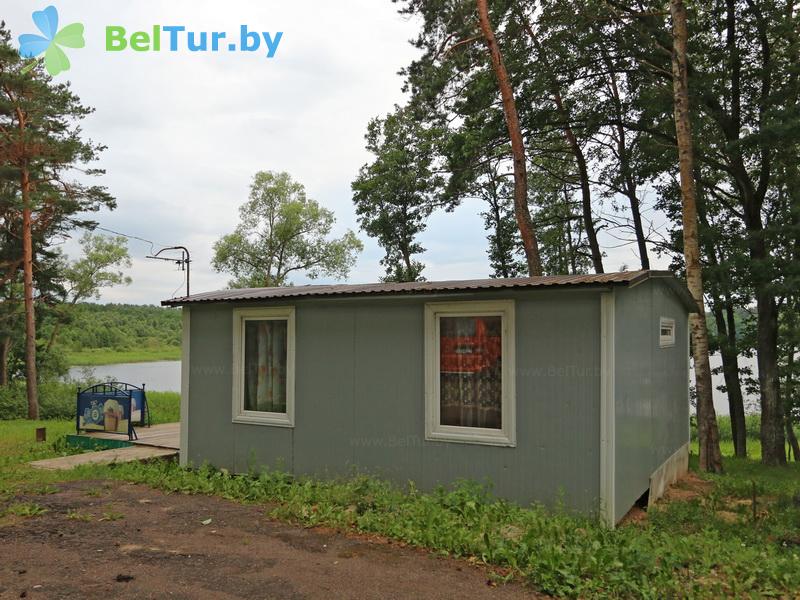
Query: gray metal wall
[651, 388]
[360, 398]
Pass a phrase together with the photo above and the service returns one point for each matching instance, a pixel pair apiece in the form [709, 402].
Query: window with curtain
[469, 372]
[263, 366]
[265, 358]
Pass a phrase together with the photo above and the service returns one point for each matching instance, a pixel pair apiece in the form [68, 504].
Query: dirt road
[115, 540]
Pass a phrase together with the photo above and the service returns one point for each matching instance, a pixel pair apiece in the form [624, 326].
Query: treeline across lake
[108, 333]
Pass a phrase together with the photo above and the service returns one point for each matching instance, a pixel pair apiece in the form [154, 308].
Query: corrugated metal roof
[429, 287]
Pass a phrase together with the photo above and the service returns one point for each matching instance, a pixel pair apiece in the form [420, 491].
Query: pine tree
[42, 143]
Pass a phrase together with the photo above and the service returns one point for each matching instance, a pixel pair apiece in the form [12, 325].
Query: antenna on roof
[183, 262]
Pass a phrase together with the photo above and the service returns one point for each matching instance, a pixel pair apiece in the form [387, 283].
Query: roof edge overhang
[678, 286]
[601, 282]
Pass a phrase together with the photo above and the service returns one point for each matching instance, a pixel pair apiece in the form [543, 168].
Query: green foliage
[282, 232]
[506, 255]
[44, 139]
[97, 267]
[24, 509]
[752, 423]
[165, 407]
[743, 320]
[561, 234]
[454, 96]
[395, 194]
[46, 168]
[57, 402]
[121, 327]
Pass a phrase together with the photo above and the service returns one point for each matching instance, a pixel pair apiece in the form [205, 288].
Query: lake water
[165, 376]
[159, 376]
[721, 399]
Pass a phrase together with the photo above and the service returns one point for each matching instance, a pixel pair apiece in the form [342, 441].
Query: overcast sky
[186, 131]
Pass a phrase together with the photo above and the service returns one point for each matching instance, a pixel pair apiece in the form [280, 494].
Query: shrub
[752, 426]
[57, 401]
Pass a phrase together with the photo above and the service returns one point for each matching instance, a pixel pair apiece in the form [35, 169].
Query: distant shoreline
[103, 356]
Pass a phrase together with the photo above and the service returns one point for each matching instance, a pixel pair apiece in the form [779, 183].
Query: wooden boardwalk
[158, 441]
[162, 436]
[115, 455]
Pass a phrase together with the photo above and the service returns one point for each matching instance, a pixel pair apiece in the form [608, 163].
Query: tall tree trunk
[53, 336]
[5, 350]
[636, 214]
[573, 260]
[521, 210]
[586, 192]
[30, 315]
[788, 398]
[503, 268]
[790, 435]
[773, 442]
[730, 370]
[726, 330]
[773, 449]
[628, 182]
[708, 433]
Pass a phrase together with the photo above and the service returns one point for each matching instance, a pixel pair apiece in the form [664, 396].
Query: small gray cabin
[571, 389]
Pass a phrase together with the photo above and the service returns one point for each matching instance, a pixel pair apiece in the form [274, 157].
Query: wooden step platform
[166, 435]
[115, 455]
[158, 441]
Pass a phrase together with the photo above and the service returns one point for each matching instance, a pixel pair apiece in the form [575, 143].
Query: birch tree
[708, 433]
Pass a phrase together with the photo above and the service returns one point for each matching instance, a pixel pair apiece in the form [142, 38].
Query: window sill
[269, 419]
[485, 437]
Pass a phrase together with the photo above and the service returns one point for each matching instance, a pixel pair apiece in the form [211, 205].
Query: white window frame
[434, 430]
[240, 318]
[666, 341]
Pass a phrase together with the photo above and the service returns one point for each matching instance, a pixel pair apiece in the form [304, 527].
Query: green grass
[93, 357]
[752, 427]
[18, 447]
[165, 407]
[24, 509]
[709, 546]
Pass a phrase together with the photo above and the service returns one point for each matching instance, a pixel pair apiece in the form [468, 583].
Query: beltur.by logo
[175, 37]
[172, 38]
[32, 45]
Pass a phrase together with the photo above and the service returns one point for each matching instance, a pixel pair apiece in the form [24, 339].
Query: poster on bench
[97, 413]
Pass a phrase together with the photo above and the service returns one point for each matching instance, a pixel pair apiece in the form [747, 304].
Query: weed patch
[24, 509]
[703, 542]
[683, 548]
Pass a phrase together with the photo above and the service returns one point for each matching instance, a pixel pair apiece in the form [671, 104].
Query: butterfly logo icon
[51, 41]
